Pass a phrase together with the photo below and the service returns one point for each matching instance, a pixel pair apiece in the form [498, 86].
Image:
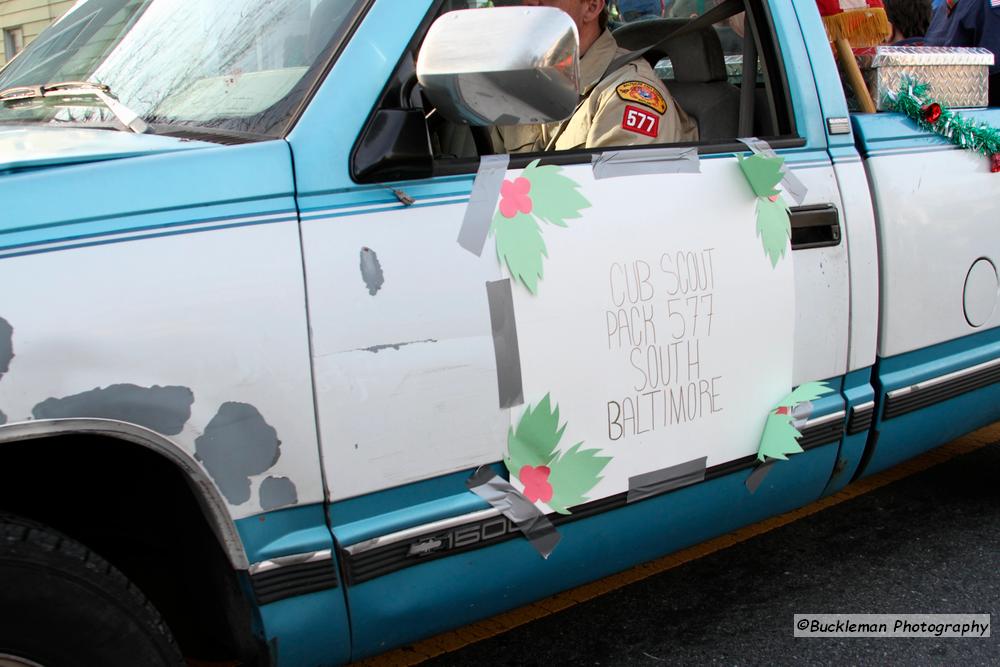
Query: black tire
[63, 605]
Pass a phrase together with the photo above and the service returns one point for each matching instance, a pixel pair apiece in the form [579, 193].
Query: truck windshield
[239, 67]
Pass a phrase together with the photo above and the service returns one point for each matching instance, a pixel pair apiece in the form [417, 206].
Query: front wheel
[63, 605]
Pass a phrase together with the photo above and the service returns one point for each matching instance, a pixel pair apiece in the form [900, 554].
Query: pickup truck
[294, 368]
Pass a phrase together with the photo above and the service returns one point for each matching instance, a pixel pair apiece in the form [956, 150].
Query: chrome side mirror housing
[502, 66]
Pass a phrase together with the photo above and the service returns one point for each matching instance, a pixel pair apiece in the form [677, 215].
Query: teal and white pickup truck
[293, 370]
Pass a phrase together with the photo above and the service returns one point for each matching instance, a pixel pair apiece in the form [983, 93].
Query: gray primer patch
[236, 444]
[375, 349]
[162, 409]
[6, 345]
[371, 271]
[277, 492]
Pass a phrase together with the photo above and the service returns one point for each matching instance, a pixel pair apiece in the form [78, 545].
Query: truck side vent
[292, 580]
[901, 404]
[821, 434]
[861, 419]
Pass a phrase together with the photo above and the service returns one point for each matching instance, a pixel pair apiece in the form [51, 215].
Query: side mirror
[502, 66]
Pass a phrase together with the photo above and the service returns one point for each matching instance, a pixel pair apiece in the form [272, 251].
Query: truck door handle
[814, 226]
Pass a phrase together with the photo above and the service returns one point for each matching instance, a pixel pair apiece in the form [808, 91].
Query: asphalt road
[929, 543]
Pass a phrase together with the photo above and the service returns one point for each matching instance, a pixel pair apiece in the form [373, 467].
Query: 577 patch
[641, 122]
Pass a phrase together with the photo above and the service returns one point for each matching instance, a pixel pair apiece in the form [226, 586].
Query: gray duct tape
[612, 164]
[666, 479]
[499, 493]
[802, 410]
[758, 475]
[505, 347]
[790, 183]
[482, 202]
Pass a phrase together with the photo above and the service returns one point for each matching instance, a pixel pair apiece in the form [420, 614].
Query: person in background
[970, 23]
[636, 10]
[909, 19]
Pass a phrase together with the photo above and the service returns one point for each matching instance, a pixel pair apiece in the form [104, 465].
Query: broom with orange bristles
[855, 23]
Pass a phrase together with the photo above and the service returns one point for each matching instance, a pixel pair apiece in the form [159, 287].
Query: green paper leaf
[536, 438]
[520, 245]
[574, 474]
[763, 173]
[554, 198]
[809, 391]
[779, 438]
[773, 227]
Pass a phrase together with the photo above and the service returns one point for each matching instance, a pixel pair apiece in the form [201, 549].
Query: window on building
[13, 41]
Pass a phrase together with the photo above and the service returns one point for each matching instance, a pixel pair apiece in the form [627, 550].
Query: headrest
[696, 56]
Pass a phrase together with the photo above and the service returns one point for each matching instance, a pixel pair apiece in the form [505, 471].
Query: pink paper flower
[536, 483]
[514, 197]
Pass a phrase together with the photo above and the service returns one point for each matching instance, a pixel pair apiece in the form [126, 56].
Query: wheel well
[136, 509]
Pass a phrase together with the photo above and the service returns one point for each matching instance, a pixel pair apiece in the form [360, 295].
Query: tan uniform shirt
[628, 107]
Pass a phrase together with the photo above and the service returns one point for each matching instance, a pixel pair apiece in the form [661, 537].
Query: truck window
[703, 73]
[240, 68]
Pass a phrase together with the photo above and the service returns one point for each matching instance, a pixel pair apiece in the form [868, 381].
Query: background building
[22, 20]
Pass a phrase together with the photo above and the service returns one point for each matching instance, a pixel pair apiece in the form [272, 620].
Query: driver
[629, 106]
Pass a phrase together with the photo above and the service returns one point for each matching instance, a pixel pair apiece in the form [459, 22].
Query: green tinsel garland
[913, 100]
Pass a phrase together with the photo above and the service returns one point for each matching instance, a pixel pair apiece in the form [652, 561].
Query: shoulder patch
[642, 93]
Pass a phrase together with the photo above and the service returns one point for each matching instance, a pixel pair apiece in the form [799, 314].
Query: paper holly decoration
[774, 228]
[540, 195]
[913, 100]
[781, 430]
[559, 479]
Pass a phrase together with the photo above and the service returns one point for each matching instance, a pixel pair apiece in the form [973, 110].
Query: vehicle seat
[700, 84]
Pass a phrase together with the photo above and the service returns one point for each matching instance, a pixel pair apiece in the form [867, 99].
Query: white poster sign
[660, 329]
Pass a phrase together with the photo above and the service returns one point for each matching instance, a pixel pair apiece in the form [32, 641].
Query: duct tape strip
[612, 164]
[482, 203]
[757, 476]
[530, 520]
[505, 346]
[790, 183]
[666, 479]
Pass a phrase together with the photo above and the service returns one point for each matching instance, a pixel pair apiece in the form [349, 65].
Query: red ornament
[536, 483]
[995, 163]
[931, 112]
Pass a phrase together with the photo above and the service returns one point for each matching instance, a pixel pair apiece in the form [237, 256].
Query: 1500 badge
[468, 535]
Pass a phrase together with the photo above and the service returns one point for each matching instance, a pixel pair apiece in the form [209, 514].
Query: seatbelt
[720, 12]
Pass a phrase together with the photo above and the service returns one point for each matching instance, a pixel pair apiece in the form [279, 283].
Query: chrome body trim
[863, 407]
[207, 494]
[941, 379]
[295, 559]
[415, 531]
[826, 419]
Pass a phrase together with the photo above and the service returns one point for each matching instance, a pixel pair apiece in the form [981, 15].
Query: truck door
[635, 323]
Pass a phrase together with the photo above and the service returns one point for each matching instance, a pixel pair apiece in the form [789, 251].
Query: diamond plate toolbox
[958, 77]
